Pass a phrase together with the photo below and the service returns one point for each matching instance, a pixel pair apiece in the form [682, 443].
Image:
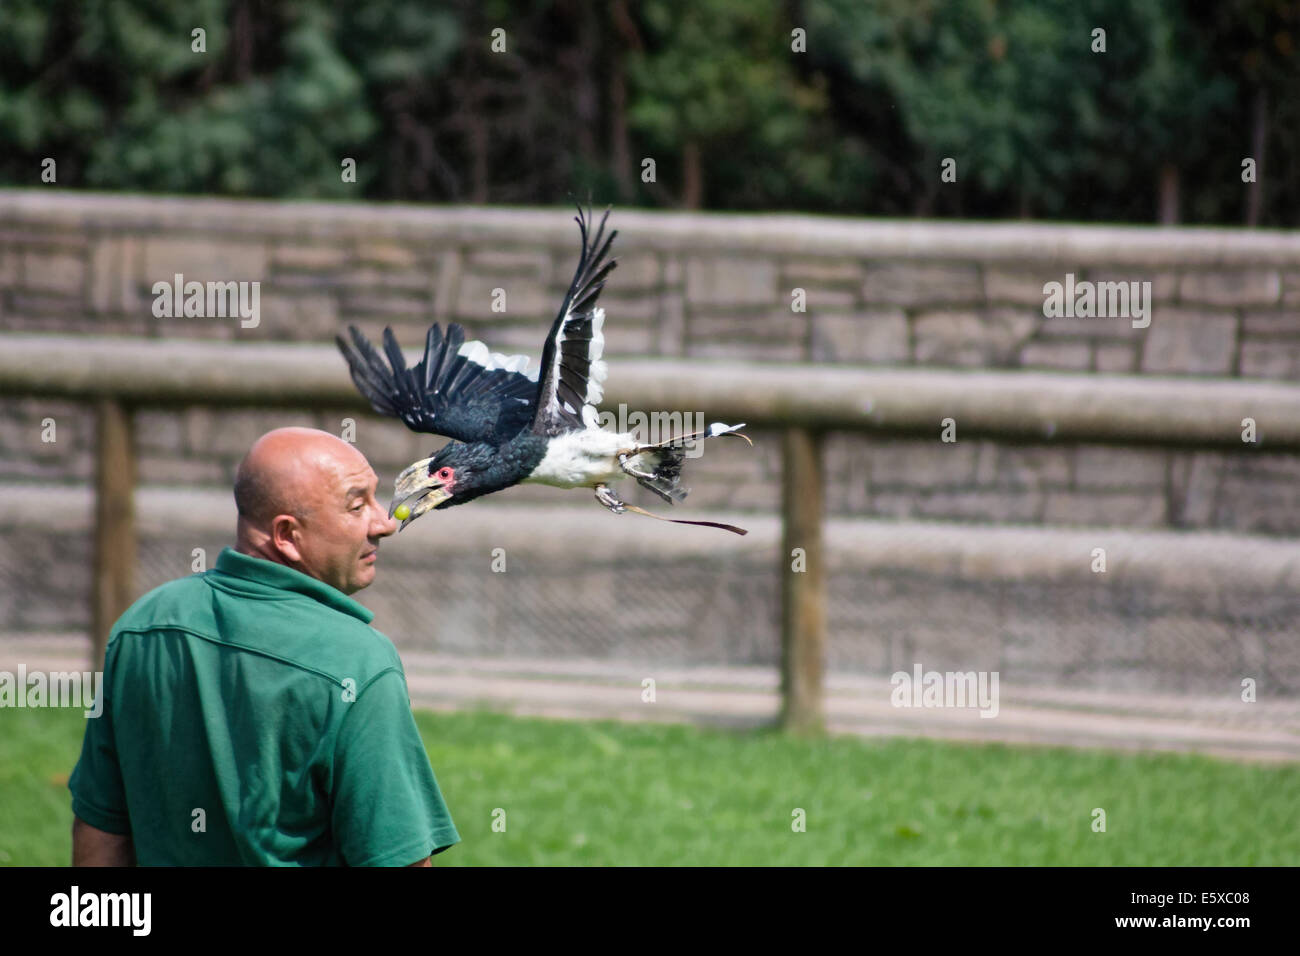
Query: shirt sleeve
[387, 809]
[98, 796]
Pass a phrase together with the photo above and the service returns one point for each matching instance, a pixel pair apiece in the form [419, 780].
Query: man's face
[339, 534]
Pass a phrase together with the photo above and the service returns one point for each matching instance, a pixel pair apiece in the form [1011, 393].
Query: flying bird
[509, 424]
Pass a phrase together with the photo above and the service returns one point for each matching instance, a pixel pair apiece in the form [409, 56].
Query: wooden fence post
[115, 544]
[803, 592]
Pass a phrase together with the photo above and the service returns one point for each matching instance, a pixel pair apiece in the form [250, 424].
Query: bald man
[251, 714]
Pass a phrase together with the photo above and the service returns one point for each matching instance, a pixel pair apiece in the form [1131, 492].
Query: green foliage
[1039, 123]
[271, 107]
[601, 793]
[1016, 94]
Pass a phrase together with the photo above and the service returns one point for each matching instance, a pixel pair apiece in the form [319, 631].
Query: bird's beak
[415, 489]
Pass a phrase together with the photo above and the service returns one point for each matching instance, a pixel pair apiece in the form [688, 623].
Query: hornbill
[509, 425]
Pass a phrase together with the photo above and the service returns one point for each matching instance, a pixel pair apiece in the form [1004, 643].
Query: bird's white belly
[582, 459]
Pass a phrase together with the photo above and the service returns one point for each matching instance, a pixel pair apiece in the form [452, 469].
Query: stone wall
[1226, 303]
[1173, 614]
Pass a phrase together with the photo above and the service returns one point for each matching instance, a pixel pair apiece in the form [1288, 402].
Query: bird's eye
[444, 473]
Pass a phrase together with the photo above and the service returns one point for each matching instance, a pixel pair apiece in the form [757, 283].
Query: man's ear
[286, 532]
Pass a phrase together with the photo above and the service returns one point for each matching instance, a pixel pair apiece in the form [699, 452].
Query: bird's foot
[628, 469]
[609, 499]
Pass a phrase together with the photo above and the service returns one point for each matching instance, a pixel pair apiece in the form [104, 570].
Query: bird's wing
[459, 389]
[572, 370]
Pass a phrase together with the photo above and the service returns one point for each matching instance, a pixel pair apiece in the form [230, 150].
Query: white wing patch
[597, 372]
[479, 354]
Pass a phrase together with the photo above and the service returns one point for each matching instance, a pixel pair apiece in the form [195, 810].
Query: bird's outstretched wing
[572, 370]
[459, 389]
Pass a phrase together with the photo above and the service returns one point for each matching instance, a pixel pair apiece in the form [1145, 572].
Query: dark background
[1153, 129]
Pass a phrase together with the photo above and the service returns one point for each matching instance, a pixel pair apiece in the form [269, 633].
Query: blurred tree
[114, 90]
[1255, 40]
[573, 96]
[715, 88]
[1037, 122]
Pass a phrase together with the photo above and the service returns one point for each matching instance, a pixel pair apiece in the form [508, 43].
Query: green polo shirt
[252, 716]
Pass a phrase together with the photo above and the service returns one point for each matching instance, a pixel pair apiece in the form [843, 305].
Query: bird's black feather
[571, 370]
[446, 393]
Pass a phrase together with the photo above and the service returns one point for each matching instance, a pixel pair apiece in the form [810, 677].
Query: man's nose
[387, 525]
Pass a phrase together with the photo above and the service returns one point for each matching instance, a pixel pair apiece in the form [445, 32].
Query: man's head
[306, 499]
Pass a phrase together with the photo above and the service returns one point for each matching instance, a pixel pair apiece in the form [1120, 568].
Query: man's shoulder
[369, 647]
[298, 632]
[172, 604]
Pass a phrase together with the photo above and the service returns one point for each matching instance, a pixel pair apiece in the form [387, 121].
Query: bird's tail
[661, 464]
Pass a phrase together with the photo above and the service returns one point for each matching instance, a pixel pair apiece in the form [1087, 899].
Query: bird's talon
[629, 470]
[610, 500]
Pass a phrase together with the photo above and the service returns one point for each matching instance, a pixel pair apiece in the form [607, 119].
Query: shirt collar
[285, 578]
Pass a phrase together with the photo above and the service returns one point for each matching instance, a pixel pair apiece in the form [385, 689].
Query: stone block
[1006, 286]
[746, 351]
[1194, 488]
[162, 469]
[1180, 341]
[1105, 509]
[910, 284]
[618, 310]
[871, 336]
[1022, 466]
[524, 298]
[1164, 284]
[203, 260]
[672, 323]
[1075, 356]
[1291, 288]
[976, 505]
[1114, 467]
[387, 255]
[115, 266]
[1271, 359]
[301, 317]
[159, 431]
[819, 298]
[1271, 323]
[779, 326]
[307, 258]
[1230, 286]
[396, 303]
[731, 281]
[973, 338]
[1119, 359]
[446, 281]
[635, 271]
[915, 463]
[821, 272]
[531, 263]
[63, 273]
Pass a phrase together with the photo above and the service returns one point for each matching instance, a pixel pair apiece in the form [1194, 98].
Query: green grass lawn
[609, 793]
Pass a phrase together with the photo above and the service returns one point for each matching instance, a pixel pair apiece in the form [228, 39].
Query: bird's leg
[623, 456]
[609, 499]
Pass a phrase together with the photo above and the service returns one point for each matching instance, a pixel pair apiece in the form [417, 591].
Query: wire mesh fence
[1092, 632]
[1186, 632]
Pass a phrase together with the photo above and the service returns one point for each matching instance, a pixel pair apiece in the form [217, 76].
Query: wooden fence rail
[118, 375]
